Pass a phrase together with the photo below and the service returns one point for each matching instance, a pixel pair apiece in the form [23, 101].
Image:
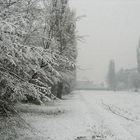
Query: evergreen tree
[111, 76]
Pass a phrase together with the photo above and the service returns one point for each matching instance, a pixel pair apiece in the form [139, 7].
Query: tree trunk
[60, 90]
[54, 89]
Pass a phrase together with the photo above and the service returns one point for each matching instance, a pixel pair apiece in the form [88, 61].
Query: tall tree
[61, 28]
[111, 76]
[37, 48]
[138, 56]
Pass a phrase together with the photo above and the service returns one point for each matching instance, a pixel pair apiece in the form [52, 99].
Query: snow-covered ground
[87, 115]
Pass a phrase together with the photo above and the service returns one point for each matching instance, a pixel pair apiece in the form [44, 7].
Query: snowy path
[89, 115]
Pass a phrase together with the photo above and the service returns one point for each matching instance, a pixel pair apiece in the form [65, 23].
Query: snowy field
[86, 115]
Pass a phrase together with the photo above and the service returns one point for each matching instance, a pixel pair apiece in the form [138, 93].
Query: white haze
[112, 29]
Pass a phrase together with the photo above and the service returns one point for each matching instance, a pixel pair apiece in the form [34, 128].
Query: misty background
[111, 29]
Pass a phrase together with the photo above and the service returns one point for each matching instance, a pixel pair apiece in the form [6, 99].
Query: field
[84, 115]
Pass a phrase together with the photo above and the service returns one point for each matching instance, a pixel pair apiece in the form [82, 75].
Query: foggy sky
[112, 30]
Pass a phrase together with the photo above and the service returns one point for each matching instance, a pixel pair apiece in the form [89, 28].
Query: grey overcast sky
[112, 28]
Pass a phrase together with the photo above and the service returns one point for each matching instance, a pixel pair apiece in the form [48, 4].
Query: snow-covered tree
[61, 23]
[20, 58]
[111, 76]
[37, 48]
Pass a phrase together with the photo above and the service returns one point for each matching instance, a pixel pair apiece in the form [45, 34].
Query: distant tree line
[37, 50]
[128, 79]
[124, 79]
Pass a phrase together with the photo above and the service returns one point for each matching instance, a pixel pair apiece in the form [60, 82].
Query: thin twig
[110, 109]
